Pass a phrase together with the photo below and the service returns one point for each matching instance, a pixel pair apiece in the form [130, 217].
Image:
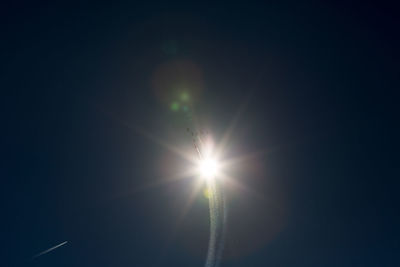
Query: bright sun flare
[209, 168]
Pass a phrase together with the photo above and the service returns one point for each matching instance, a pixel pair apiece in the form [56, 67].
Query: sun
[208, 168]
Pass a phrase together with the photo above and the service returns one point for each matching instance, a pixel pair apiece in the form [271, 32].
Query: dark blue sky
[317, 85]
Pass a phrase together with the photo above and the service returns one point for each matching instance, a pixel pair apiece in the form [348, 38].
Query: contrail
[217, 214]
[217, 221]
[50, 249]
[218, 211]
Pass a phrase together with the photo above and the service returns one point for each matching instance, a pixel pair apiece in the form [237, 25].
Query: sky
[309, 89]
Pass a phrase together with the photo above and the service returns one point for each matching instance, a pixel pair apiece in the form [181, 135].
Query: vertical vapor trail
[217, 222]
[217, 212]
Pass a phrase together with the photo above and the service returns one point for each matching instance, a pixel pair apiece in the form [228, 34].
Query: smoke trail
[217, 222]
[218, 212]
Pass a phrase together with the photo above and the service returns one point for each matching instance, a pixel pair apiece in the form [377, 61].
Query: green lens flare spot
[184, 96]
[185, 108]
[174, 106]
[207, 193]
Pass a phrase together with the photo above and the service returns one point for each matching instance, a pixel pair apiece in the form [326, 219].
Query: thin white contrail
[217, 221]
[50, 249]
[217, 216]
